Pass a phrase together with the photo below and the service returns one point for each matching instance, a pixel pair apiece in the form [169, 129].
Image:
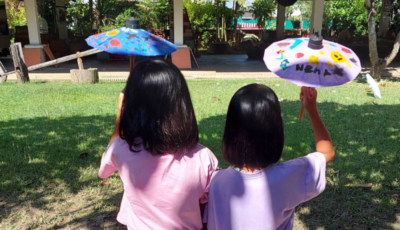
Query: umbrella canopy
[126, 41]
[320, 64]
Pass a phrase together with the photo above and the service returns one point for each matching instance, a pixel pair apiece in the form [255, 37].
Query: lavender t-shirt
[267, 199]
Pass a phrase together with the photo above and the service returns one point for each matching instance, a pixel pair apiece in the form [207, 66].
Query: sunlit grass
[45, 183]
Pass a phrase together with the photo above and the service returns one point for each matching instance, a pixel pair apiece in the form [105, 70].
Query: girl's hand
[308, 97]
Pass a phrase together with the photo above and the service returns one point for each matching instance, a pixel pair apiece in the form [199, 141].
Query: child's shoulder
[203, 153]
[200, 149]
[117, 145]
[315, 156]
[118, 141]
[224, 176]
[300, 164]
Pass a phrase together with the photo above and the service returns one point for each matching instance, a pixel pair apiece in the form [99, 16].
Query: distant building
[248, 22]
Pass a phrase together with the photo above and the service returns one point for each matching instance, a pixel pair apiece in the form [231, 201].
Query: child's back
[256, 193]
[165, 172]
[264, 199]
[160, 191]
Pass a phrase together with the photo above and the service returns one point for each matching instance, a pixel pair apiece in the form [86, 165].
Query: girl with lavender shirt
[164, 171]
[255, 192]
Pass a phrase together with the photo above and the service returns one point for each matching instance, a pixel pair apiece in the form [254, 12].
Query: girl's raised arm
[118, 118]
[323, 142]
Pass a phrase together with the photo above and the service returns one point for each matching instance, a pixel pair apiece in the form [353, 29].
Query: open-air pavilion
[34, 31]
[176, 34]
[33, 50]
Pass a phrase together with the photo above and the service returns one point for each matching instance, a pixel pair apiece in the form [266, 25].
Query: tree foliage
[105, 13]
[289, 11]
[305, 8]
[262, 11]
[224, 20]
[152, 14]
[76, 15]
[110, 14]
[344, 14]
[15, 17]
[396, 13]
[202, 17]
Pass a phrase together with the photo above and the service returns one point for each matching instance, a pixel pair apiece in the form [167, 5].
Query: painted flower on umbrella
[313, 60]
[115, 43]
[112, 33]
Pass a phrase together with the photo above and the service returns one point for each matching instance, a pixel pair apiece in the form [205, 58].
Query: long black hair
[157, 112]
[253, 134]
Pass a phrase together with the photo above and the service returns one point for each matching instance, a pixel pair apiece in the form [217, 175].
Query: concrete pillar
[33, 22]
[60, 18]
[280, 22]
[178, 22]
[317, 16]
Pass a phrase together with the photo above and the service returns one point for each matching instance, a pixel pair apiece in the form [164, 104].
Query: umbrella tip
[315, 41]
[132, 22]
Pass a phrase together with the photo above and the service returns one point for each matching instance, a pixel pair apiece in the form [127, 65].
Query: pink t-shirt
[162, 191]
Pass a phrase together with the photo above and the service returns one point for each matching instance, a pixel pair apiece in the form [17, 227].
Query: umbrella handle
[301, 113]
[131, 63]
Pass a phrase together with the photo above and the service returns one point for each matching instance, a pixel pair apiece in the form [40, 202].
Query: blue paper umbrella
[126, 41]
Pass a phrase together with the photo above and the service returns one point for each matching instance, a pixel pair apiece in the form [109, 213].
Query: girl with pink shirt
[165, 172]
[256, 193]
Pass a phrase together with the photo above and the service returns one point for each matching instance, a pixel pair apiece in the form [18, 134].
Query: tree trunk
[377, 64]
[217, 21]
[235, 22]
[84, 75]
[224, 23]
[224, 29]
[90, 13]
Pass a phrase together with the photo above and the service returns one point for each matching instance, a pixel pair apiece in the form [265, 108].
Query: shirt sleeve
[212, 166]
[108, 165]
[315, 180]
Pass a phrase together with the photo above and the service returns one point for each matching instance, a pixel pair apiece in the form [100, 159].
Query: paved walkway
[210, 67]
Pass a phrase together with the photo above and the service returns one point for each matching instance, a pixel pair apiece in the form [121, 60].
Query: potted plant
[250, 42]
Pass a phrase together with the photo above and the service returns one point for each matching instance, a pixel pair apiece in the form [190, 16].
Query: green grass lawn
[45, 127]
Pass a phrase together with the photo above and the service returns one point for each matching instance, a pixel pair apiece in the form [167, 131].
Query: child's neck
[249, 169]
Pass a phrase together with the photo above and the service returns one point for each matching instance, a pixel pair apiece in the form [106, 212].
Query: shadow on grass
[97, 219]
[366, 138]
[43, 160]
[40, 156]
